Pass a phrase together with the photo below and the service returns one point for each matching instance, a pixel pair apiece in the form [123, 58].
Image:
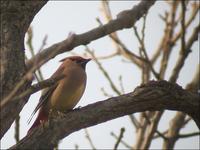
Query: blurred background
[58, 18]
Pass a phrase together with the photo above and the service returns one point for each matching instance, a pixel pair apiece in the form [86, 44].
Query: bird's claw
[79, 107]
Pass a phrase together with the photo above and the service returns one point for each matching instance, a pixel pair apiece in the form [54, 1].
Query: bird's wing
[43, 99]
[46, 93]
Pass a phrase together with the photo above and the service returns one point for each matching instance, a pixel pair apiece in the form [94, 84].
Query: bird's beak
[87, 60]
[84, 62]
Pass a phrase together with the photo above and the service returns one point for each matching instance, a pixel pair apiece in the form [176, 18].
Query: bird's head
[78, 60]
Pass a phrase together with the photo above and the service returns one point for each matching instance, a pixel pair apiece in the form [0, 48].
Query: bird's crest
[73, 58]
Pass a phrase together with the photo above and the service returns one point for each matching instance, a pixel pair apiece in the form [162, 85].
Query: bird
[66, 93]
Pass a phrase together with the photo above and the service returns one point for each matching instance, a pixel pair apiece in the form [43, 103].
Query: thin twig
[162, 133]
[76, 146]
[122, 141]
[156, 131]
[31, 49]
[194, 85]
[183, 55]
[168, 45]
[135, 122]
[17, 129]
[187, 120]
[174, 128]
[195, 10]
[183, 10]
[40, 49]
[105, 93]
[106, 11]
[127, 52]
[123, 50]
[113, 86]
[44, 42]
[119, 138]
[121, 84]
[38, 86]
[108, 56]
[141, 41]
[87, 135]
[161, 43]
[29, 42]
[120, 47]
[188, 135]
[152, 129]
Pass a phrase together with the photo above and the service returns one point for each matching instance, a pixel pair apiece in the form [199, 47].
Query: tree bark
[153, 96]
[16, 17]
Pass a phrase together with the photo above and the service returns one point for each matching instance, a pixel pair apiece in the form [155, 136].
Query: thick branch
[125, 19]
[16, 17]
[152, 96]
[179, 119]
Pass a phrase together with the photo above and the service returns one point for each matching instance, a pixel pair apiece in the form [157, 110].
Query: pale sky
[56, 19]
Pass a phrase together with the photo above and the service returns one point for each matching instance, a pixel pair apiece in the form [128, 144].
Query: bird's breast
[69, 90]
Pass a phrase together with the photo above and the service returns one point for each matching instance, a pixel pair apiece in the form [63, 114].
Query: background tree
[151, 98]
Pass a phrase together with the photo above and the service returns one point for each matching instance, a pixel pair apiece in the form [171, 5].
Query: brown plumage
[66, 93]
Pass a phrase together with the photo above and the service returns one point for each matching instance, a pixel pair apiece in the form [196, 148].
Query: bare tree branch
[143, 49]
[152, 96]
[122, 141]
[125, 19]
[122, 130]
[167, 48]
[113, 86]
[17, 131]
[120, 47]
[151, 129]
[184, 53]
[189, 135]
[179, 119]
[176, 124]
[195, 10]
[38, 86]
[87, 135]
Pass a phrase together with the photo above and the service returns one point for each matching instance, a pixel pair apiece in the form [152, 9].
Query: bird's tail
[42, 117]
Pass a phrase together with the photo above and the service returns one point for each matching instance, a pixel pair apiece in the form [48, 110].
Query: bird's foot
[42, 122]
[79, 107]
